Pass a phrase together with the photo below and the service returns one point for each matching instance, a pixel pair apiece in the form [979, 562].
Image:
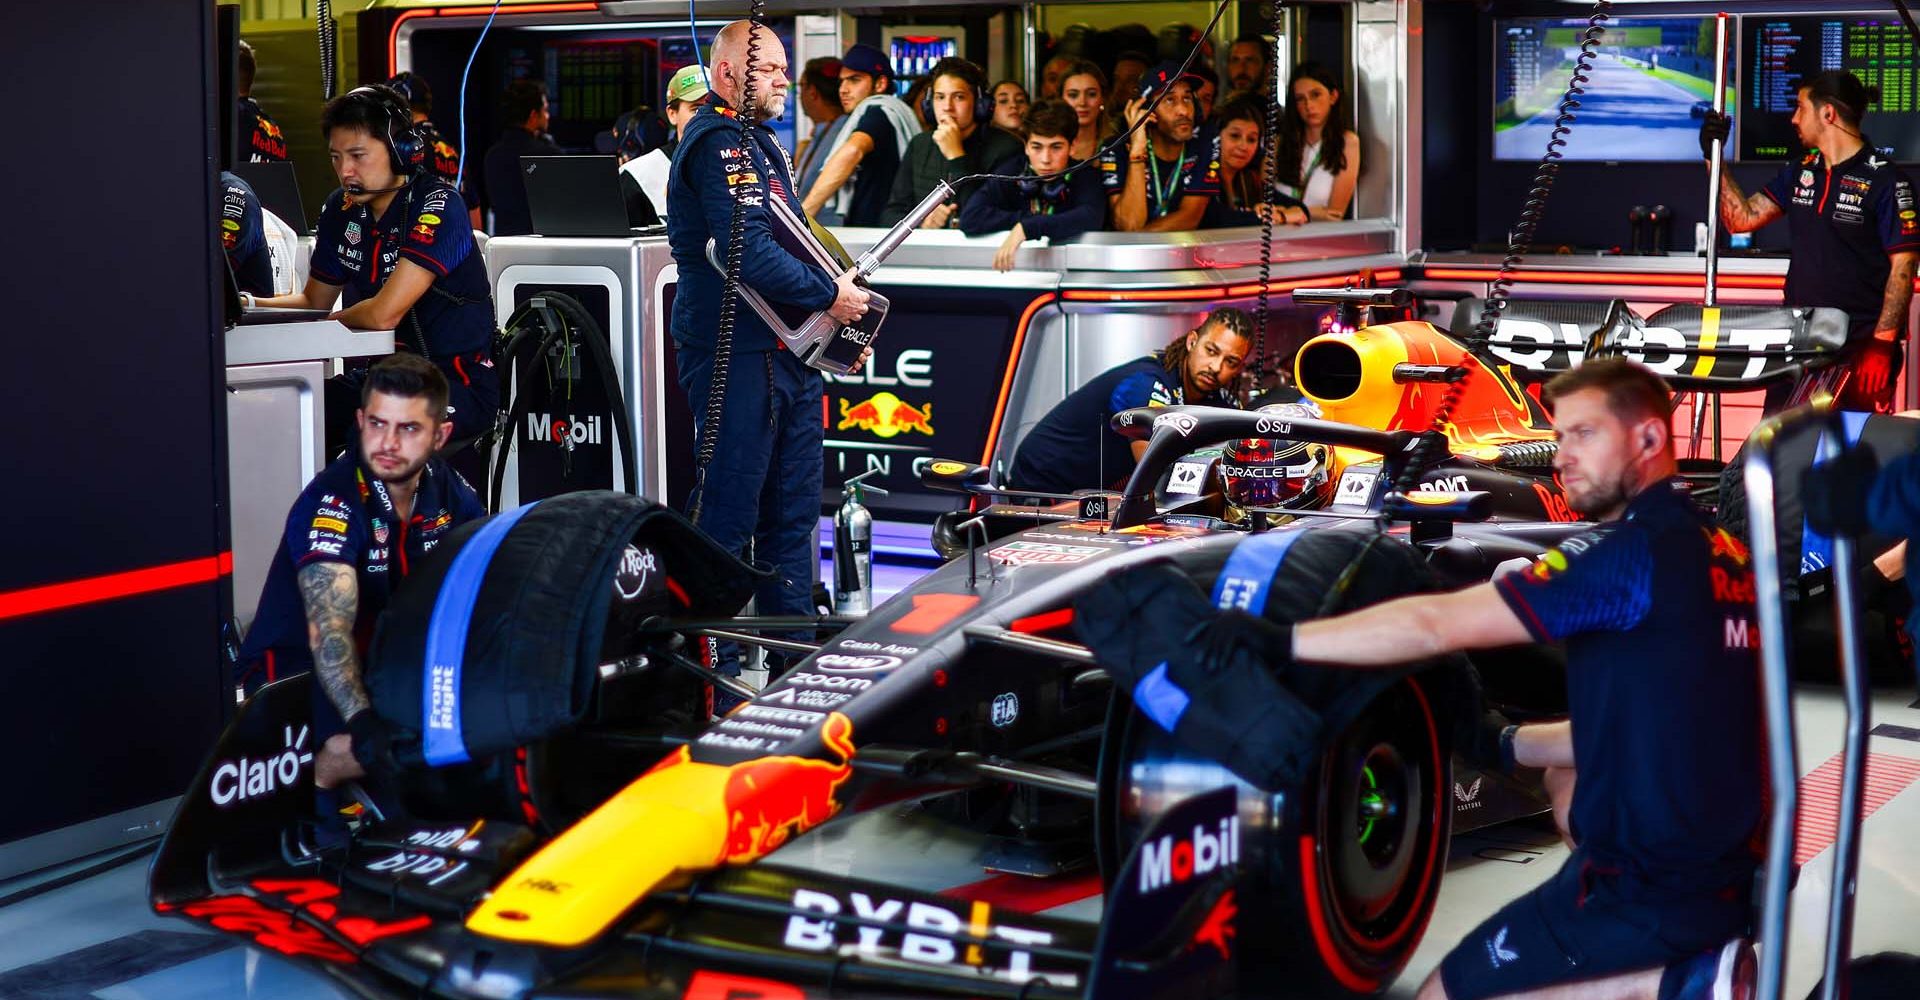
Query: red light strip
[112, 586]
[1767, 281]
[1006, 379]
[1222, 291]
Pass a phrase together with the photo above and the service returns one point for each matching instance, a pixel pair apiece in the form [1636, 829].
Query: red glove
[1874, 370]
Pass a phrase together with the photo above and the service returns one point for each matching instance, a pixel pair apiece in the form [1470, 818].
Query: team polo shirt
[243, 236]
[345, 516]
[1663, 688]
[1195, 171]
[1074, 447]
[265, 142]
[1846, 219]
[425, 223]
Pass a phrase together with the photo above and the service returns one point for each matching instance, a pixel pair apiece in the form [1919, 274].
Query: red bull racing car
[572, 822]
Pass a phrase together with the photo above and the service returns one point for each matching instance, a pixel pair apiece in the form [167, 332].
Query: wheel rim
[1373, 822]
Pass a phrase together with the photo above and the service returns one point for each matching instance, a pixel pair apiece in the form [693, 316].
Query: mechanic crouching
[1074, 446]
[1655, 607]
[351, 538]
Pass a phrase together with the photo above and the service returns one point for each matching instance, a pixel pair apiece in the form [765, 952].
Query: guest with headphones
[959, 108]
[1856, 241]
[394, 237]
[1039, 205]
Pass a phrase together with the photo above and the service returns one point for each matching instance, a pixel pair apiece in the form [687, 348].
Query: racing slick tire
[1340, 875]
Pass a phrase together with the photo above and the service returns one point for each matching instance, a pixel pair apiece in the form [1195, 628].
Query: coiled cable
[1270, 175]
[1432, 446]
[329, 47]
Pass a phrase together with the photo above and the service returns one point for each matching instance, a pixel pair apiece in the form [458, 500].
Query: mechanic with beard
[1655, 607]
[1855, 235]
[1075, 447]
[350, 539]
[395, 239]
[1169, 175]
[763, 486]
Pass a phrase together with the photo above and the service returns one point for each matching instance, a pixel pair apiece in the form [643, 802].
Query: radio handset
[816, 338]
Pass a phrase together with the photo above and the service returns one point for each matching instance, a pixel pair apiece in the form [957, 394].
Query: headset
[406, 145]
[951, 66]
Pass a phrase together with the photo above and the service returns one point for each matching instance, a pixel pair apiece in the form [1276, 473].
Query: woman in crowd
[1084, 88]
[1009, 105]
[1238, 150]
[1319, 157]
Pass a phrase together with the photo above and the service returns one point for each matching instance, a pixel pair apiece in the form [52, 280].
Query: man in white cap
[648, 173]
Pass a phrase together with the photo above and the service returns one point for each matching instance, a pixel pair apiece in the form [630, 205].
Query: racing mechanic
[1075, 445]
[243, 238]
[264, 141]
[763, 486]
[1169, 175]
[395, 238]
[1656, 610]
[349, 540]
[1856, 240]
[443, 158]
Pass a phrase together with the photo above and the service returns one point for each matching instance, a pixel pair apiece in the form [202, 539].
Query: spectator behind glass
[1247, 65]
[857, 177]
[1128, 68]
[819, 94]
[1164, 178]
[1057, 210]
[959, 145]
[1084, 88]
[1053, 74]
[1238, 150]
[1206, 91]
[1010, 105]
[1319, 157]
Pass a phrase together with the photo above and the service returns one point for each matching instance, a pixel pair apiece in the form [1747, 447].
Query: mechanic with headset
[1656, 609]
[442, 157]
[1075, 446]
[1165, 179]
[763, 484]
[960, 144]
[395, 238]
[1856, 240]
[1060, 209]
[352, 536]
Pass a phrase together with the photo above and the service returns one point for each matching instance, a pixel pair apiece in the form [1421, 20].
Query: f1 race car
[570, 820]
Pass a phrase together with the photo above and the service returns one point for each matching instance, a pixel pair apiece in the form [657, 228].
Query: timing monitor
[1652, 82]
[1780, 50]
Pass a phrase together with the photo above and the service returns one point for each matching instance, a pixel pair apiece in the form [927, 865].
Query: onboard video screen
[1652, 82]
[1781, 50]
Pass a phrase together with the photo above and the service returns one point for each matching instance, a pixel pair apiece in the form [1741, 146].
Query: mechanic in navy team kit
[243, 237]
[1655, 607]
[443, 158]
[261, 139]
[1168, 175]
[1856, 236]
[395, 237]
[352, 536]
[763, 486]
[1075, 447]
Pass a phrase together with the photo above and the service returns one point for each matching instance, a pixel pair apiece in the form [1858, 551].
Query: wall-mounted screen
[1781, 50]
[1652, 82]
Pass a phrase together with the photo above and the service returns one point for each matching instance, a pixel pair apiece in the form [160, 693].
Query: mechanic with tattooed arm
[351, 538]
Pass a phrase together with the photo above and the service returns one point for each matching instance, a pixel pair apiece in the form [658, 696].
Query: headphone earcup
[982, 106]
[926, 106]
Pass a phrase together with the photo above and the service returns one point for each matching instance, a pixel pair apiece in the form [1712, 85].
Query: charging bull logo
[885, 415]
[772, 799]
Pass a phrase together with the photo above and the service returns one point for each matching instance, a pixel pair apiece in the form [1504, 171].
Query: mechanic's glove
[1714, 126]
[1271, 643]
[1492, 745]
[1874, 367]
[372, 743]
[1835, 493]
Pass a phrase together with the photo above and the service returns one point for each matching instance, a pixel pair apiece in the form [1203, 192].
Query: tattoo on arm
[332, 598]
[1742, 212]
[1893, 308]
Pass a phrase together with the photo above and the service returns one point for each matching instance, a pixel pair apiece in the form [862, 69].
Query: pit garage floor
[96, 938]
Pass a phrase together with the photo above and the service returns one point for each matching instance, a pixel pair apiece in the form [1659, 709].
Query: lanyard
[1160, 195]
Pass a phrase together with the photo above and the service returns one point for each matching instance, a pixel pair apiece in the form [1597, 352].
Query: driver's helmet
[1276, 472]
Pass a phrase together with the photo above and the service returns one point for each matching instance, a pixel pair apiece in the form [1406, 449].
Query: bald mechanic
[763, 486]
[1655, 607]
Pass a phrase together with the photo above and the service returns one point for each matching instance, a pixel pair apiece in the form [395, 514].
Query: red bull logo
[773, 799]
[885, 415]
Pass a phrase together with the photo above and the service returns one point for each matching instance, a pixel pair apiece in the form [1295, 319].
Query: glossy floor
[96, 938]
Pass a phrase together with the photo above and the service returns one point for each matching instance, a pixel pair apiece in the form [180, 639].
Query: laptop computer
[575, 195]
[278, 190]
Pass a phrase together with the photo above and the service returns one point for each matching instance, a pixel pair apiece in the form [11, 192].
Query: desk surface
[271, 343]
